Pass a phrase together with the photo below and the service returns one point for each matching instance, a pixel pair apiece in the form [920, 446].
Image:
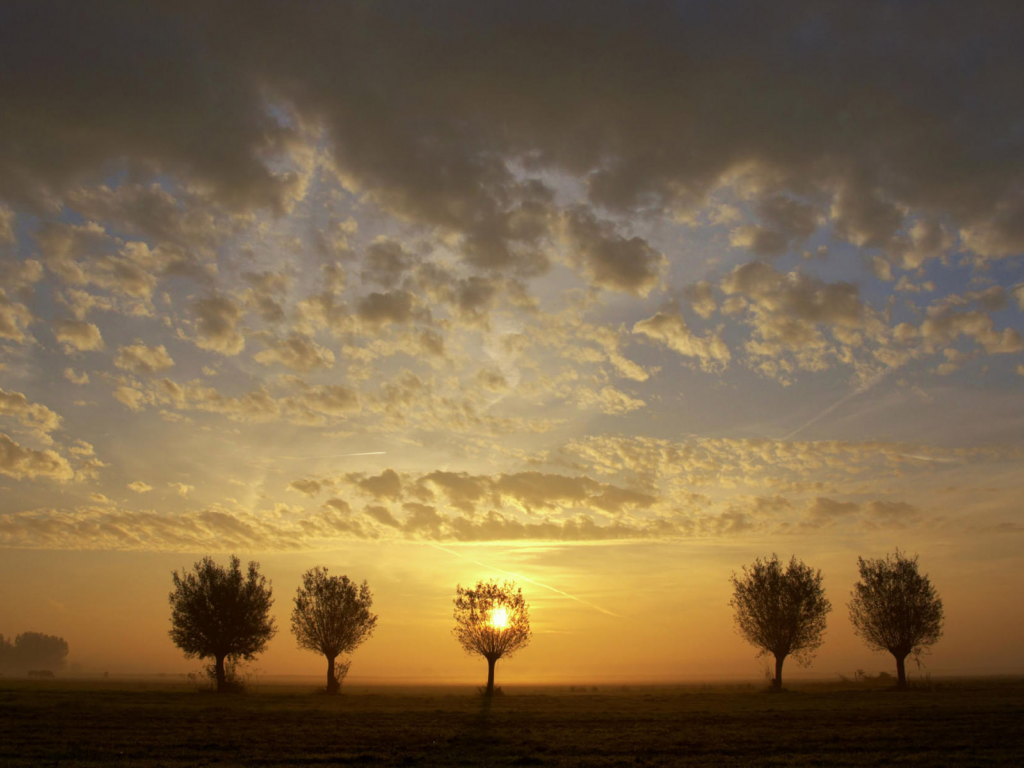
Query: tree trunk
[332, 681]
[901, 670]
[222, 681]
[777, 682]
[490, 677]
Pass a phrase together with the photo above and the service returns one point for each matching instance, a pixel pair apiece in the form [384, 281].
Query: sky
[607, 300]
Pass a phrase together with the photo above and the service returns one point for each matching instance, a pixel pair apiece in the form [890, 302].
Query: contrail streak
[860, 390]
[524, 578]
[335, 455]
[929, 458]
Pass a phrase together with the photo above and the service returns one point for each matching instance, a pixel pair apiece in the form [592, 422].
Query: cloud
[265, 294]
[701, 298]
[794, 297]
[254, 406]
[132, 398]
[306, 486]
[33, 416]
[181, 489]
[217, 319]
[787, 313]
[82, 138]
[1018, 294]
[26, 463]
[786, 222]
[7, 217]
[141, 359]
[76, 378]
[82, 449]
[611, 260]
[543, 233]
[651, 133]
[385, 262]
[85, 254]
[998, 236]
[473, 298]
[21, 275]
[891, 514]
[865, 216]
[672, 331]
[329, 399]
[386, 485]
[377, 310]
[823, 511]
[298, 352]
[609, 400]
[139, 487]
[382, 515]
[14, 319]
[78, 336]
[928, 240]
[491, 380]
[531, 492]
[462, 489]
[151, 210]
[568, 335]
[306, 405]
[943, 325]
[794, 465]
[219, 529]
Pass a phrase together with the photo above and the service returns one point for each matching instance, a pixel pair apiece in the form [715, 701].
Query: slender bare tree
[896, 609]
[217, 612]
[332, 616]
[492, 620]
[781, 612]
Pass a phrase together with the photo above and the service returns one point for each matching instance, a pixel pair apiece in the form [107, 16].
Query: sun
[499, 618]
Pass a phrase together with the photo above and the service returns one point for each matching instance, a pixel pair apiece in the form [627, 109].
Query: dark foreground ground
[90, 724]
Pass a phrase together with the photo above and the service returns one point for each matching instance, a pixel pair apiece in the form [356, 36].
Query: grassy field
[954, 723]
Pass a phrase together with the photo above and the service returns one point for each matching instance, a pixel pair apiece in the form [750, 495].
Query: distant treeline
[32, 651]
[224, 614]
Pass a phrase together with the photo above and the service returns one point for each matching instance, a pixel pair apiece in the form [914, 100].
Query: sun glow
[499, 618]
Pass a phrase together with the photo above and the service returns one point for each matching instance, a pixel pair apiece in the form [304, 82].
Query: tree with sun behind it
[492, 620]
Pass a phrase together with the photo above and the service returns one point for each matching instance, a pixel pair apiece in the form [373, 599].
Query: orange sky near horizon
[633, 626]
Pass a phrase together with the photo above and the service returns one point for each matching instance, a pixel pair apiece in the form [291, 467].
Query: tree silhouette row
[782, 612]
[219, 613]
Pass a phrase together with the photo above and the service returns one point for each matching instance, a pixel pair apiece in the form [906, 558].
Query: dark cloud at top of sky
[440, 110]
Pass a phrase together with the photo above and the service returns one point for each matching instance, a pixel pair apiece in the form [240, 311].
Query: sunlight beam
[531, 581]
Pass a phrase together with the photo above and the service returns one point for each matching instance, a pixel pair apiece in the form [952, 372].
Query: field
[951, 723]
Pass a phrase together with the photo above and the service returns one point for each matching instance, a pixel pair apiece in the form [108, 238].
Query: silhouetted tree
[896, 609]
[218, 613]
[492, 620]
[781, 612]
[332, 616]
[33, 651]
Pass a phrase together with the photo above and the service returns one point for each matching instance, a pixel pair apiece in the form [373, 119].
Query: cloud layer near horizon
[579, 281]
